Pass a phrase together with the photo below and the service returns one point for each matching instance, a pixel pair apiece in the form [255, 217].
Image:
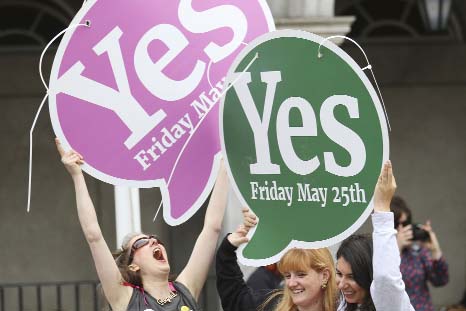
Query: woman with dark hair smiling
[138, 280]
[422, 260]
[368, 270]
[355, 255]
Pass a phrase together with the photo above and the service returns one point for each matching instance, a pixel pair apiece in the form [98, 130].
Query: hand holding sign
[304, 138]
[239, 236]
[71, 159]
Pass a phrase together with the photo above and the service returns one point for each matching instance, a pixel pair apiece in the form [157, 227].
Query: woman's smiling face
[305, 287]
[347, 284]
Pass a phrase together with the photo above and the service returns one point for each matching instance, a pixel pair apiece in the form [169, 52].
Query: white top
[387, 288]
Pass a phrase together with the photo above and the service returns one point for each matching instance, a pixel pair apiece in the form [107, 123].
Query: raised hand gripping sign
[304, 138]
[135, 93]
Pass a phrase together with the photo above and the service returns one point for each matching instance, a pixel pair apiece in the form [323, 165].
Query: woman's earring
[324, 285]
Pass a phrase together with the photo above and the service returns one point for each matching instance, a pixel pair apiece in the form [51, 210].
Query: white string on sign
[256, 56]
[86, 24]
[369, 66]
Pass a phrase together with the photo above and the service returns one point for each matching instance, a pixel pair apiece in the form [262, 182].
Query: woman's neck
[316, 306]
[157, 287]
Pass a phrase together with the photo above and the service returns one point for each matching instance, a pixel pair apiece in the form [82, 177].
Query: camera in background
[420, 234]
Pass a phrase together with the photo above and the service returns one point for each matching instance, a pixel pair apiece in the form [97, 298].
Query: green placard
[304, 138]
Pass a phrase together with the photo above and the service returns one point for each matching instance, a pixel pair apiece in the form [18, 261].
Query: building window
[395, 20]
[29, 24]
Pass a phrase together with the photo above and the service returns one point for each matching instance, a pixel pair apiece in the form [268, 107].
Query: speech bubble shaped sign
[136, 92]
[304, 138]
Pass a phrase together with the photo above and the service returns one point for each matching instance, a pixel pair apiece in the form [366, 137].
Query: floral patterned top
[418, 268]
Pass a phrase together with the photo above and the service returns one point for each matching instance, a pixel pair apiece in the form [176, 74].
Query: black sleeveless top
[184, 301]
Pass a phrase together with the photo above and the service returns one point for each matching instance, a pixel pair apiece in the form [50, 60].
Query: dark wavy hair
[398, 206]
[357, 250]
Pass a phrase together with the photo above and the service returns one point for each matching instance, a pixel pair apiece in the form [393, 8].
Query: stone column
[315, 16]
[311, 8]
[127, 212]
[279, 8]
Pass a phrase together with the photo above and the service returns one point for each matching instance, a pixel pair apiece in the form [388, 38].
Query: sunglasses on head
[142, 241]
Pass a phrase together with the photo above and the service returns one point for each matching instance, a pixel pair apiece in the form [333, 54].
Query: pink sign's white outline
[161, 183]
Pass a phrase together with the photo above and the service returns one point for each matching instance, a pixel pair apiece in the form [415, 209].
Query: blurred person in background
[265, 277]
[422, 261]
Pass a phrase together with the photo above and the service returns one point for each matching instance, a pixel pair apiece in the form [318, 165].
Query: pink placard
[136, 92]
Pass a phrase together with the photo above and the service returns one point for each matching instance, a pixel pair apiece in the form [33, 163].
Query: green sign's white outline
[334, 48]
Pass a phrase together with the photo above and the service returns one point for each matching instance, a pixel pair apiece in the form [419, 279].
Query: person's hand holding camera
[433, 245]
[404, 237]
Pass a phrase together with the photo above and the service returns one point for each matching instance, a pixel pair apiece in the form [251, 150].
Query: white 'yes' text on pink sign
[129, 91]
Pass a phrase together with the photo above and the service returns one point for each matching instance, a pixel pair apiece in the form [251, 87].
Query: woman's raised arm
[387, 289]
[109, 275]
[195, 273]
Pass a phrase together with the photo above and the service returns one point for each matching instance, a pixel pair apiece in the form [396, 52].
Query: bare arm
[195, 273]
[109, 275]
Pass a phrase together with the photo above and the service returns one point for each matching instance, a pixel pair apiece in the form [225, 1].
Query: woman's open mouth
[158, 254]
